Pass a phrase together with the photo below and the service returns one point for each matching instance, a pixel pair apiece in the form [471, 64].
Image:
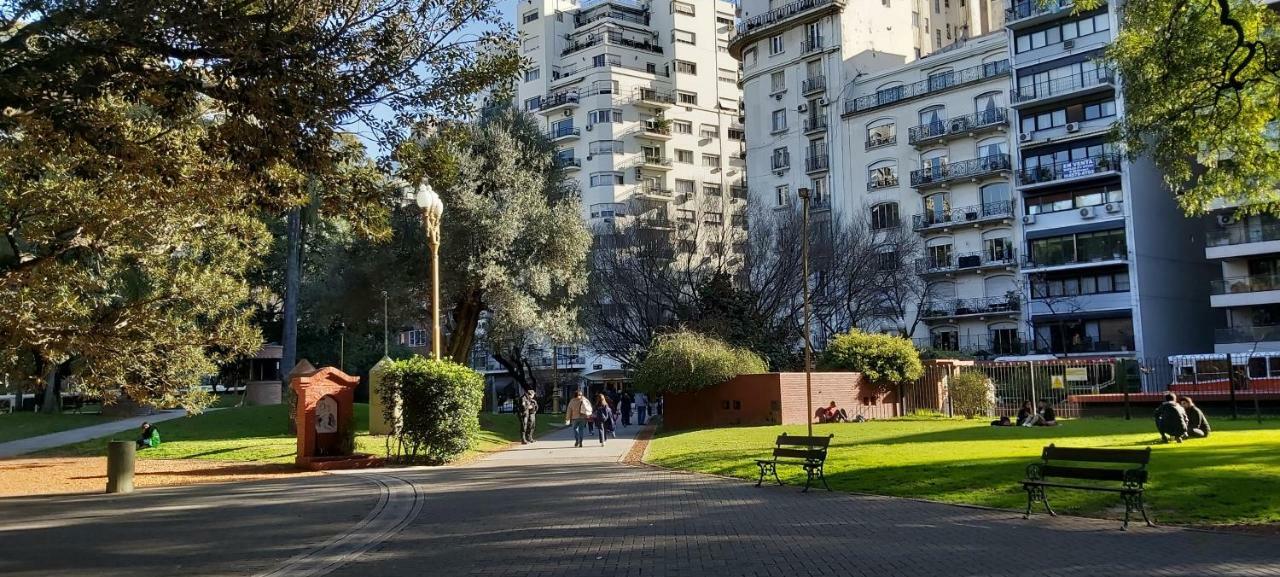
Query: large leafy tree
[1202, 94]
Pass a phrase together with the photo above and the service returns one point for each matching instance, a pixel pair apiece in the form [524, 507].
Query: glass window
[687, 97]
[684, 186]
[606, 178]
[684, 67]
[884, 216]
[682, 126]
[684, 156]
[783, 195]
[775, 45]
[711, 189]
[711, 160]
[779, 120]
[778, 81]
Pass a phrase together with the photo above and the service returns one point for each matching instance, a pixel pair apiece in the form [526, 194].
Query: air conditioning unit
[822, 101]
[1073, 127]
[1029, 219]
[588, 157]
[802, 108]
[1226, 219]
[958, 125]
[1068, 44]
[1086, 212]
[589, 127]
[1112, 207]
[777, 96]
[1024, 137]
[778, 172]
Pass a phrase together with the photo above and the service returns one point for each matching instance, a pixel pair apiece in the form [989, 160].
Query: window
[887, 260]
[1071, 284]
[739, 219]
[606, 178]
[530, 44]
[883, 174]
[684, 156]
[997, 249]
[683, 37]
[1073, 200]
[415, 338]
[783, 195]
[682, 8]
[780, 120]
[737, 134]
[778, 81]
[684, 187]
[938, 256]
[881, 133]
[948, 31]
[532, 74]
[711, 190]
[749, 58]
[775, 45]
[687, 98]
[562, 127]
[781, 158]
[530, 16]
[713, 218]
[933, 117]
[884, 216]
[728, 75]
[1056, 33]
[605, 147]
[685, 67]
[937, 37]
[709, 131]
[1083, 247]
[533, 103]
[605, 116]
[682, 126]
[686, 215]
[1061, 79]
[819, 191]
[711, 160]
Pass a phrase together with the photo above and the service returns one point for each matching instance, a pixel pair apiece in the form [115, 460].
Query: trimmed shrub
[884, 360]
[439, 409]
[686, 361]
[971, 393]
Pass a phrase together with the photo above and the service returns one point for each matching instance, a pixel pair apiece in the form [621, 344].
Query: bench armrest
[1035, 472]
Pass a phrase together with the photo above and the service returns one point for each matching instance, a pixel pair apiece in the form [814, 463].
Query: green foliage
[439, 406]
[1201, 94]
[686, 361]
[971, 394]
[929, 353]
[730, 314]
[882, 359]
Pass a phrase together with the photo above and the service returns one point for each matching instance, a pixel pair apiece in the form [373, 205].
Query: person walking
[1197, 423]
[624, 407]
[1171, 419]
[642, 408]
[578, 413]
[603, 416]
[528, 417]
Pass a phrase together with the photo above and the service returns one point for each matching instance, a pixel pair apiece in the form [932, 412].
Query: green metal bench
[1082, 465]
[807, 452]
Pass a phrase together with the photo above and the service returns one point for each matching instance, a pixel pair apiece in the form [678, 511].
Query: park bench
[807, 452]
[1125, 474]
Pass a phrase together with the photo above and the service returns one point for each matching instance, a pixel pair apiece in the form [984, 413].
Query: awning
[605, 375]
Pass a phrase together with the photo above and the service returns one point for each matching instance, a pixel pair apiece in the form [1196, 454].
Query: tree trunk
[292, 285]
[52, 403]
[466, 319]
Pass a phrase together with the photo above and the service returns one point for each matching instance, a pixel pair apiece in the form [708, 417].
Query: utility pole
[808, 343]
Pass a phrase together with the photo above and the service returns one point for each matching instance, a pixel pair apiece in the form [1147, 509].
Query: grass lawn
[1232, 477]
[14, 426]
[259, 434]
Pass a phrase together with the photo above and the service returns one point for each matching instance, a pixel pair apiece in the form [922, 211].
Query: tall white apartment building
[1245, 293]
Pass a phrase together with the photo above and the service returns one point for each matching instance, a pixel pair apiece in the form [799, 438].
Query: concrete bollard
[120, 459]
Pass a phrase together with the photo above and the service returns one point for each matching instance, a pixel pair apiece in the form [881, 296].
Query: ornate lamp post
[432, 208]
[808, 344]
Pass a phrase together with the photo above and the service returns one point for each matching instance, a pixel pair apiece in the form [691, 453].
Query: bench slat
[1135, 456]
[1086, 487]
[803, 441]
[799, 454]
[1083, 473]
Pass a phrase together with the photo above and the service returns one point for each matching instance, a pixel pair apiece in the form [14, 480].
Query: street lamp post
[808, 344]
[432, 208]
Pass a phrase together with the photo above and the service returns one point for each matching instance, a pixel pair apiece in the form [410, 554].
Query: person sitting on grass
[1028, 409]
[1003, 421]
[1171, 419]
[149, 438]
[1045, 417]
[1197, 423]
[831, 414]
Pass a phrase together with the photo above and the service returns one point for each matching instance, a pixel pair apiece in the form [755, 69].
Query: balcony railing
[1084, 346]
[878, 141]
[563, 133]
[651, 95]
[960, 125]
[569, 162]
[940, 309]
[972, 168]
[608, 209]
[1242, 234]
[817, 160]
[813, 84]
[1245, 284]
[779, 14]
[655, 222]
[579, 20]
[964, 214]
[1069, 169]
[657, 191]
[739, 192]
[554, 100]
[1021, 9]
[656, 160]
[1246, 334]
[937, 83]
[878, 182]
[614, 38]
[813, 123]
[820, 203]
[1030, 262]
[655, 128]
[964, 261]
[811, 45]
[975, 344]
[1060, 86]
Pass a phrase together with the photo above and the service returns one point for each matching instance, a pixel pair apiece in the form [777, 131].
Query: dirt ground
[47, 476]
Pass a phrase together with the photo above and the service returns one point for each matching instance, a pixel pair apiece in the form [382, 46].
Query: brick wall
[774, 398]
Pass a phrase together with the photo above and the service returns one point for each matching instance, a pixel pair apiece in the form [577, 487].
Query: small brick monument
[326, 419]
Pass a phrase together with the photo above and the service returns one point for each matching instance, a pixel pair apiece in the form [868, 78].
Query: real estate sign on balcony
[1078, 168]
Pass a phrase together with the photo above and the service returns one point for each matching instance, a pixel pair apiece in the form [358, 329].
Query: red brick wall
[773, 398]
[848, 390]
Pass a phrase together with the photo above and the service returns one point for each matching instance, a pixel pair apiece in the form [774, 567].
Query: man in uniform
[528, 416]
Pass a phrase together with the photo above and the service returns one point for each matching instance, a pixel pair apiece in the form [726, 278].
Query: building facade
[1245, 291]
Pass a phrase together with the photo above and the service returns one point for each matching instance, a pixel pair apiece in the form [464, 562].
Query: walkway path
[42, 442]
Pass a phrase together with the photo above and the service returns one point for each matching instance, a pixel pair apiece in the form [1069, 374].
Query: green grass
[14, 426]
[1229, 478]
[259, 434]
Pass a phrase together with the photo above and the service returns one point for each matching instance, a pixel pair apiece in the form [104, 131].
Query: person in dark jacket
[1028, 409]
[603, 417]
[624, 407]
[1197, 423]
[1171, 419]
[528, 416]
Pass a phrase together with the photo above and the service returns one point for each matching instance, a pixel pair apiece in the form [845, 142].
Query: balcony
[813, 84]
[1022, 13]
[811, 45]
[973, 169]
[655, 130]
[1242, 240]
[815, 123]
[1065, 261]
[979, 345]
[878, 181]
[653, 162]
[880, 140]
[1246, 335]
[969, 125]
[820, 203]
[975, 215]
[979, 262]
[1002, 306]
[608, 209]
[655, 97]
[555, 102]
[738, 192]
[660, 223]
[1086, 346]
[569, 163]
[1070, 171]
[932, 85]
[780, 18]
[817, 159]
[656, 192]
[1062, 88]
[567, 133]
[635, 15]
[614, 39]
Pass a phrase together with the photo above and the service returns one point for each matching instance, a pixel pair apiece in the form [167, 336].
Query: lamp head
[428, 200]
[803, 192]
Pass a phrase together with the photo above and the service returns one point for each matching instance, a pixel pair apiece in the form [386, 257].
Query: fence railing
[1242, 234]
[935, 83]
[1060, 86]
[1069, 169]
[971, 168]
[959, 125]
[1245, 284]
[963, 214]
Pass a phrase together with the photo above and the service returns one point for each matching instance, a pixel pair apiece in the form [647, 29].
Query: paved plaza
[550, 509]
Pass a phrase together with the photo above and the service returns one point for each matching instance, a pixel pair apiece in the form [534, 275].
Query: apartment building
[931, 145]
[1110, 264]
[1245, 290]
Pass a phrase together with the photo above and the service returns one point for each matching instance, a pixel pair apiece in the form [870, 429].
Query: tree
[439, 405]
[514, 246]
[884, 360]
[686, 361]
[971, 393]
[1202, 95]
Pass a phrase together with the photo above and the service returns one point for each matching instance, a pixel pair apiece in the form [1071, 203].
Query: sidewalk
[557, 447]
[42, 442]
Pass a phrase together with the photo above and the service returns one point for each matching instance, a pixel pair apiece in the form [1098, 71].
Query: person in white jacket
[577, 413]
[642, 408]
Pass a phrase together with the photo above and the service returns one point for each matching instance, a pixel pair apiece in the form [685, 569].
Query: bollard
[120, 458]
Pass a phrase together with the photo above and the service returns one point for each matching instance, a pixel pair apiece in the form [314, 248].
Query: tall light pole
[808, 344]
[432, 209]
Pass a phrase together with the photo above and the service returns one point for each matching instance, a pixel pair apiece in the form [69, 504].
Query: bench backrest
[811, 448]
[1079, 459]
